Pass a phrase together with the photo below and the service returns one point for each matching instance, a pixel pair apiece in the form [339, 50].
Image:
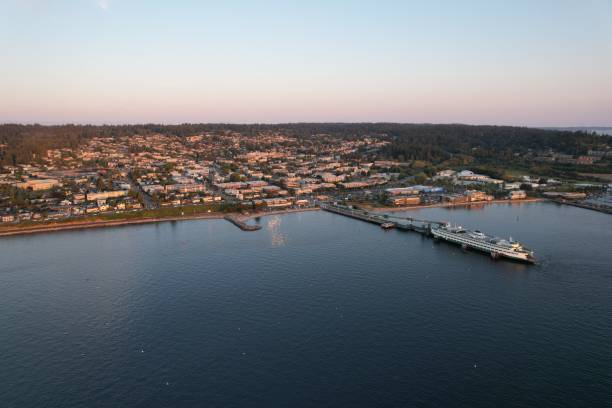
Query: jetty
[241, 224]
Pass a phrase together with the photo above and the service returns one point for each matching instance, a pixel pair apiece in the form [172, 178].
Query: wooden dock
[402, 223]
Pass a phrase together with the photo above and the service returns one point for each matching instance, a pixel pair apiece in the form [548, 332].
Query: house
[271, 190]
[585, 160]
[386, 164]
[475, 195]
[257, 184]
[512, 186]
[445, 174]
[332, 178]
[517, 195]
[152, 188]
[231, 185]
[25, 216]
[354, 184]
[470, 175]
[455, 198]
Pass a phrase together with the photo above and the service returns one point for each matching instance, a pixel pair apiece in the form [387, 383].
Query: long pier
[417, 225]
[601, 208]
[403, 223]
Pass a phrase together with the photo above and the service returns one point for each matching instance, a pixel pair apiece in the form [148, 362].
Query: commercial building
[103, 195]
[39, 184]
[401, 191]
[185, 188]
[354, 184]
[276, 202]
[517, 195]
[404, 200]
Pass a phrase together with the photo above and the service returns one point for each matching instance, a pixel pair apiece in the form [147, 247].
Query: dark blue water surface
[313, 310]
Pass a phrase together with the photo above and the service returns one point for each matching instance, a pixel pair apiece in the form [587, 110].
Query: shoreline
[252, 216]
[451, 205]
[79, 225]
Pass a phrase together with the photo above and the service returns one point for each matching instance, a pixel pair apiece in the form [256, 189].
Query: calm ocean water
[313, 310]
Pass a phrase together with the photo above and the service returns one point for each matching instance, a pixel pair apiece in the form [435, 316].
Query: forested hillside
[432, 143]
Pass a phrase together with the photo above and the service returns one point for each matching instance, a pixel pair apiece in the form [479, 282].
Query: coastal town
[305, 204]
[226, 171]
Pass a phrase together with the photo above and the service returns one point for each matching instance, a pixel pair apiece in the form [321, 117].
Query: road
[149, 204]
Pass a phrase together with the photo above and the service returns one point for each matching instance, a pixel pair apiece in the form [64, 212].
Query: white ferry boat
[497, 247]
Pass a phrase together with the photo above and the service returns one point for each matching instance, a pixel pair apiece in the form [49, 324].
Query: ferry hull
[495, 253]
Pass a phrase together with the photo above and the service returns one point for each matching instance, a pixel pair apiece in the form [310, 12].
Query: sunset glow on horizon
[545, 63]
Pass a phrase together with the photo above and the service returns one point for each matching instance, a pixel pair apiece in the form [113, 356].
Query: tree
[420, 178]
[100, 184]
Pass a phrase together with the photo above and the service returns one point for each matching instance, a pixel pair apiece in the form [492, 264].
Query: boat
[496, 247]
[387, 225]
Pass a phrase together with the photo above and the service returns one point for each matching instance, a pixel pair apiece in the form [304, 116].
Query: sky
[515, 62]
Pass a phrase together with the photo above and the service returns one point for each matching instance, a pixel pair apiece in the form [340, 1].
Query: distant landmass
[602, 130]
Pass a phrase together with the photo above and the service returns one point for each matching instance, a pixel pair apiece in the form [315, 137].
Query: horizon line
[552, 127]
